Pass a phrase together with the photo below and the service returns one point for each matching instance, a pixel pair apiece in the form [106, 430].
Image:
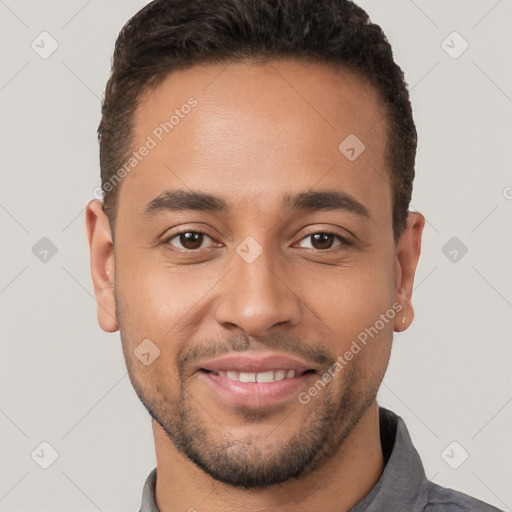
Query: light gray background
[63, 380]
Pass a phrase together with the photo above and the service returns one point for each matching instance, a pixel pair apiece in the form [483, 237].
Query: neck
[342, 482]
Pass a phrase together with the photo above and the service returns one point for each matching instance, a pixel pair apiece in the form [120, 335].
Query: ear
[407, 255]
[102, 264]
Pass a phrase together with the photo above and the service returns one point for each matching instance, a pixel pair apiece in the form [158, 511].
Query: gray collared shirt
[402, 487]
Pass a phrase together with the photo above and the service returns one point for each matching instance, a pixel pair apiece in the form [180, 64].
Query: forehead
[248, 128]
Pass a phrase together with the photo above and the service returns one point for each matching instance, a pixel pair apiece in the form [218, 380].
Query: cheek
[160, 302]
[350, 301]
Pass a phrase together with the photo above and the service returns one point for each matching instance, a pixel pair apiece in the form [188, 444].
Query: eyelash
[342, 239]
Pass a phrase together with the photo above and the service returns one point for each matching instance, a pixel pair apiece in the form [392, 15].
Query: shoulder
[442, 499]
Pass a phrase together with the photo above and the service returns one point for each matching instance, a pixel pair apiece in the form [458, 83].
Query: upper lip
[255, 363]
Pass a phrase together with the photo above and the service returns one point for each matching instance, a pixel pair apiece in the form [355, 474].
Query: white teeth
[247, 377]
[265, 376]
[280, 374]
[268, 376]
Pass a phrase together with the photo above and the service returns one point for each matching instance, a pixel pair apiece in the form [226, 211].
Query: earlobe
[102, 263]
[405, 318]
[407, 255]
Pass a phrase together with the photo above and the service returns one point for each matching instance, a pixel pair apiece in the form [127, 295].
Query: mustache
[243, 343]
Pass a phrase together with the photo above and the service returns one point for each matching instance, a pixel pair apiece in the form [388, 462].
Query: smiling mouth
[260, 377]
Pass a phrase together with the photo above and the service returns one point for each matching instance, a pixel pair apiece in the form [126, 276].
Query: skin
[259, 131]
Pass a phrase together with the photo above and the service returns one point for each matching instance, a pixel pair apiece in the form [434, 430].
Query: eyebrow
[181, 200]
[316, 200]
[325, 200]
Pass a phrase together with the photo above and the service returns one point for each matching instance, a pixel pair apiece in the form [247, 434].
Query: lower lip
[256, 394]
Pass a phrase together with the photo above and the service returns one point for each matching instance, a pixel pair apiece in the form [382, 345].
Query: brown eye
[188, 240]
[324, 241]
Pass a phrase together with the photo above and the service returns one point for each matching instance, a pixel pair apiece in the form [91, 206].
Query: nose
[257, 297]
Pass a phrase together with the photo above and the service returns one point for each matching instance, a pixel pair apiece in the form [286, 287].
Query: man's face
[280, 282]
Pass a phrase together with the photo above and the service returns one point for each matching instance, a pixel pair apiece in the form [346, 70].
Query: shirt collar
[403, 483]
